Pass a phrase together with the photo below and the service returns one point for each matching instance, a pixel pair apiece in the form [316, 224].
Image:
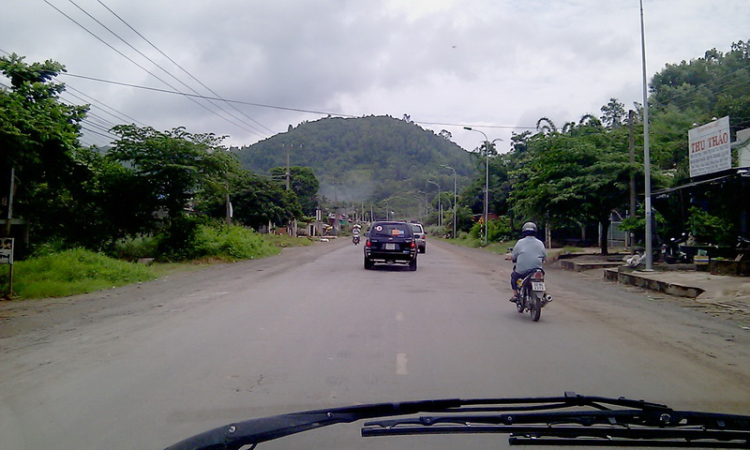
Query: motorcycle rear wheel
[535, 307]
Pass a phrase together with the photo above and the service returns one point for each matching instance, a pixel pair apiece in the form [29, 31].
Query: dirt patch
[29, 322]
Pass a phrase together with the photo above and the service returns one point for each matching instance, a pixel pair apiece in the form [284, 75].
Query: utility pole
[287, 167]
[631, 142]
[646, 153]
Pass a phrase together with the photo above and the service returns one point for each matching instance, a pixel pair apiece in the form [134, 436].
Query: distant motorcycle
[355, 239]
[532, 295]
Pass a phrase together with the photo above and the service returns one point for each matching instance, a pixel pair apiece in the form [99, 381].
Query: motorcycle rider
[528, 254]
[355, 233]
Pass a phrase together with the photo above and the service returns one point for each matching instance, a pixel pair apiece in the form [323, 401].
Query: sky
[497, 66]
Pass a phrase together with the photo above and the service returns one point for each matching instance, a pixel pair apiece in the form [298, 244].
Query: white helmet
[528, 228]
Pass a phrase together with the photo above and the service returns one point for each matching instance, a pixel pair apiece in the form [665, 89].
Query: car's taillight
[368, 243]
[413, 244]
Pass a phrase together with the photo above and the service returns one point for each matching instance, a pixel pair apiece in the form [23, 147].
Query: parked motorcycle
[743, 243]
[355, 239]
[532, 294]
[671, 252]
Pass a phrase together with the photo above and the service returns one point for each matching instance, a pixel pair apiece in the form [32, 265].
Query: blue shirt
[529, 253]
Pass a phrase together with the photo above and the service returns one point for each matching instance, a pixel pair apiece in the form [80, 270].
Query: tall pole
[440, 205]
[486, 182]
[646, 155]
[631, 145]
[455, 197]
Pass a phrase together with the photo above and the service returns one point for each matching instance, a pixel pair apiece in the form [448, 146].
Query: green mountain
[368, 159]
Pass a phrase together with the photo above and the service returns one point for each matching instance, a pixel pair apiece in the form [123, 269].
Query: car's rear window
[390, 230]
[416, 229]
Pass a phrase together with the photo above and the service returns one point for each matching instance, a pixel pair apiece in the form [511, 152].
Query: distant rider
[528, 254]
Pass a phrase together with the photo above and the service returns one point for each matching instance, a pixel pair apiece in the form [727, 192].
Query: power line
[156, 64]
[179, 66]
[141, 67]
[239, 102]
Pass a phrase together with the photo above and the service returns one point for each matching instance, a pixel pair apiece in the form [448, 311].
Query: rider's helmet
[529, 229]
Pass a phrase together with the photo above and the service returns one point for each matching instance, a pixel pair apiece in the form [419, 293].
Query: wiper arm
[254, 431]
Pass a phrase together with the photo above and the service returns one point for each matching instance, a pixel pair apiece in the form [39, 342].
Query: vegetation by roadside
[61, 273]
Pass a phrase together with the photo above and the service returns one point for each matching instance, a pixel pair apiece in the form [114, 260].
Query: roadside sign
[709, 148]
[6, 251]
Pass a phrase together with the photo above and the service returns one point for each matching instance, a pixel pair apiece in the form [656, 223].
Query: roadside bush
[708, 228]
[230, 243]
[72, 272]
[178, 241]
[135, 248]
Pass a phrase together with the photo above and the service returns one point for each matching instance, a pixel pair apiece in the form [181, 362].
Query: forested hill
[367, 158]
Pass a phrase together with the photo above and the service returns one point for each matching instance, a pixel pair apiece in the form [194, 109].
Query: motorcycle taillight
[538, 276]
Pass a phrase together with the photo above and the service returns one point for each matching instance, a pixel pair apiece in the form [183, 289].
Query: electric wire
[179, 66]
[141, 67]
[160, 67]
[239, 102]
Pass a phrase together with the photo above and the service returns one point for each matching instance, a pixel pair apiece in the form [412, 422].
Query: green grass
[232, 244]
[72, 272]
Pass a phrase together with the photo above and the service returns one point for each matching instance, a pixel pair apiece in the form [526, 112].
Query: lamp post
[646, 154]
[426, 203]
[455, 197]
[486, 182]
[440, 205]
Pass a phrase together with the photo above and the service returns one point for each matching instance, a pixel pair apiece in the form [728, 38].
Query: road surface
[147, 365]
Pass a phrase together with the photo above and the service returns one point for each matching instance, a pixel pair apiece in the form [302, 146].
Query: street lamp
[487, 144]
[440, 205]
[455, 197]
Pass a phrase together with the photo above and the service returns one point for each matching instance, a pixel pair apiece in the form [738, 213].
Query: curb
[644, 281]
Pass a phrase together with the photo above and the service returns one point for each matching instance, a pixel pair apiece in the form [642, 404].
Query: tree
[39, 141]
[572, 180]
[176, 165]
[613, 114]
[303, 183]
[258, 202]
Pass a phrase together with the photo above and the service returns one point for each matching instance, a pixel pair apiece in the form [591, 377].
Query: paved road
[145, 366]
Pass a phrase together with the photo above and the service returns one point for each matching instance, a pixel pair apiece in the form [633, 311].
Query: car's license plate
[537, 286]
[390, 246]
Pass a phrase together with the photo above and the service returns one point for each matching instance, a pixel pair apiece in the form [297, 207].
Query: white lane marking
[399, 316]
[401, 364]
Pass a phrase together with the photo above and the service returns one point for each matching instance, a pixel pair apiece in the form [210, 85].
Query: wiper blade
[634, 424]
[536, 421]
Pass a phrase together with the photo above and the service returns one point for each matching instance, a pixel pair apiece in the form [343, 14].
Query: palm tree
[546, 126]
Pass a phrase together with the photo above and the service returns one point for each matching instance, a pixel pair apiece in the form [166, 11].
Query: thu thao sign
[710, 150]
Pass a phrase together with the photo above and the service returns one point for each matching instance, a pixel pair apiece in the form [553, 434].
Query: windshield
[218, 211]
[390, 230]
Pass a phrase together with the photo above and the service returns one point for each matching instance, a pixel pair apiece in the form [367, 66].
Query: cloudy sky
[495, 65]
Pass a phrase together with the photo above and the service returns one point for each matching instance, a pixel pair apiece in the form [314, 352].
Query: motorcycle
[532, 294]
[355, 239]
[671, 252]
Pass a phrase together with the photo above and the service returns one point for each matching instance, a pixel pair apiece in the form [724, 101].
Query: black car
[390, 242]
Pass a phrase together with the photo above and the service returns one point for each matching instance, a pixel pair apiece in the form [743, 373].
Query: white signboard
[709, 148]
[6, 250]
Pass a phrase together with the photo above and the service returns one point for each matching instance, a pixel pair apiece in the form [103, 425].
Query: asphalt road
[145, 366]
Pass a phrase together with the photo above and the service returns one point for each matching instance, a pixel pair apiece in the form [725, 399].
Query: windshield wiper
[254, 431]
[569, 420]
